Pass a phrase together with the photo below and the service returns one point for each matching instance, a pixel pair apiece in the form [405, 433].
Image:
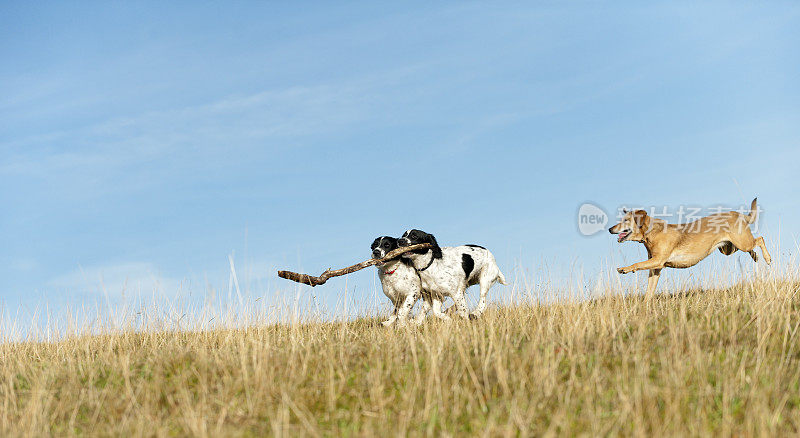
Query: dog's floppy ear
[642, 220]
[375, 243]
[437, 252]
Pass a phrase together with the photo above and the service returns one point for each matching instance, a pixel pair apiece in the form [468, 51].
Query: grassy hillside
[723, 361]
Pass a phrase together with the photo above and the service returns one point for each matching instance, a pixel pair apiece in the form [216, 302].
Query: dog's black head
[413, 237]
[382, 245]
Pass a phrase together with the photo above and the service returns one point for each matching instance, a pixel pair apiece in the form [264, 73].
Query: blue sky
[143, 143]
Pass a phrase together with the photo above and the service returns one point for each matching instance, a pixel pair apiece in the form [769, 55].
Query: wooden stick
[316, 281]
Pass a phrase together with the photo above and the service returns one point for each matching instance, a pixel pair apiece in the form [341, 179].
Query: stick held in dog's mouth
[316, 281]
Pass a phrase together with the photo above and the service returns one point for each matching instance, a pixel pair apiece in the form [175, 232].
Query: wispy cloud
[232, 121]
[129, 279]
[125, 151]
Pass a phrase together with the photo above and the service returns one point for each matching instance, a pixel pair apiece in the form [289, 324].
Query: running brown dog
[684, 245]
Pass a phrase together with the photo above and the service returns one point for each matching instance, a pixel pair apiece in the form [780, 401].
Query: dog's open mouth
[623, 235]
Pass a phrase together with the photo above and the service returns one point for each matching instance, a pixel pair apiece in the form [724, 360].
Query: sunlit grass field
[687, 362]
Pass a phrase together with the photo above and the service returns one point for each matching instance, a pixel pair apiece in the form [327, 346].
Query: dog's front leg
[652, 281]
[437, 310]
[393, 316]
[390, 321]
[647, 264]
[423, 311]
[405, 307]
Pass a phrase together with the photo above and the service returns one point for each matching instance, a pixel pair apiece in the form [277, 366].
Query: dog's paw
[388, 323]
[624, 270]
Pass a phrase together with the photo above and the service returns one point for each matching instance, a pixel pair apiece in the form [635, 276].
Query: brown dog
[684, 245]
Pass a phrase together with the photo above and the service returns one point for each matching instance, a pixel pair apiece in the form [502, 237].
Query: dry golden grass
[699, 363]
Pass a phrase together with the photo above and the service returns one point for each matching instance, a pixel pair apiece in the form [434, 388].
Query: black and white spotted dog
[450, 271]
[399, 280]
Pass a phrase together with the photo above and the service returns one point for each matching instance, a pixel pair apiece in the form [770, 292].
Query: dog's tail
[753, 214]
[501, 278]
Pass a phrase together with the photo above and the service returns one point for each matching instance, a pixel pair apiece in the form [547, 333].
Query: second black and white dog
[399, 281]
[450, 271]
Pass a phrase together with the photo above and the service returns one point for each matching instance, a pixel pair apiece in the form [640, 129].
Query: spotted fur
[399, 280]
[449, 271]
[468, 263]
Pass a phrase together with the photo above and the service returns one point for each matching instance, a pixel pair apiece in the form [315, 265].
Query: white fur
[402, 287]
[445, 277]
[399, 281]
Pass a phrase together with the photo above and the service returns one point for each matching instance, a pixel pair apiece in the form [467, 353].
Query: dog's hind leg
[485, 286]
[747, 243]
[727, 248]
[461, 304]
[764, 252]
